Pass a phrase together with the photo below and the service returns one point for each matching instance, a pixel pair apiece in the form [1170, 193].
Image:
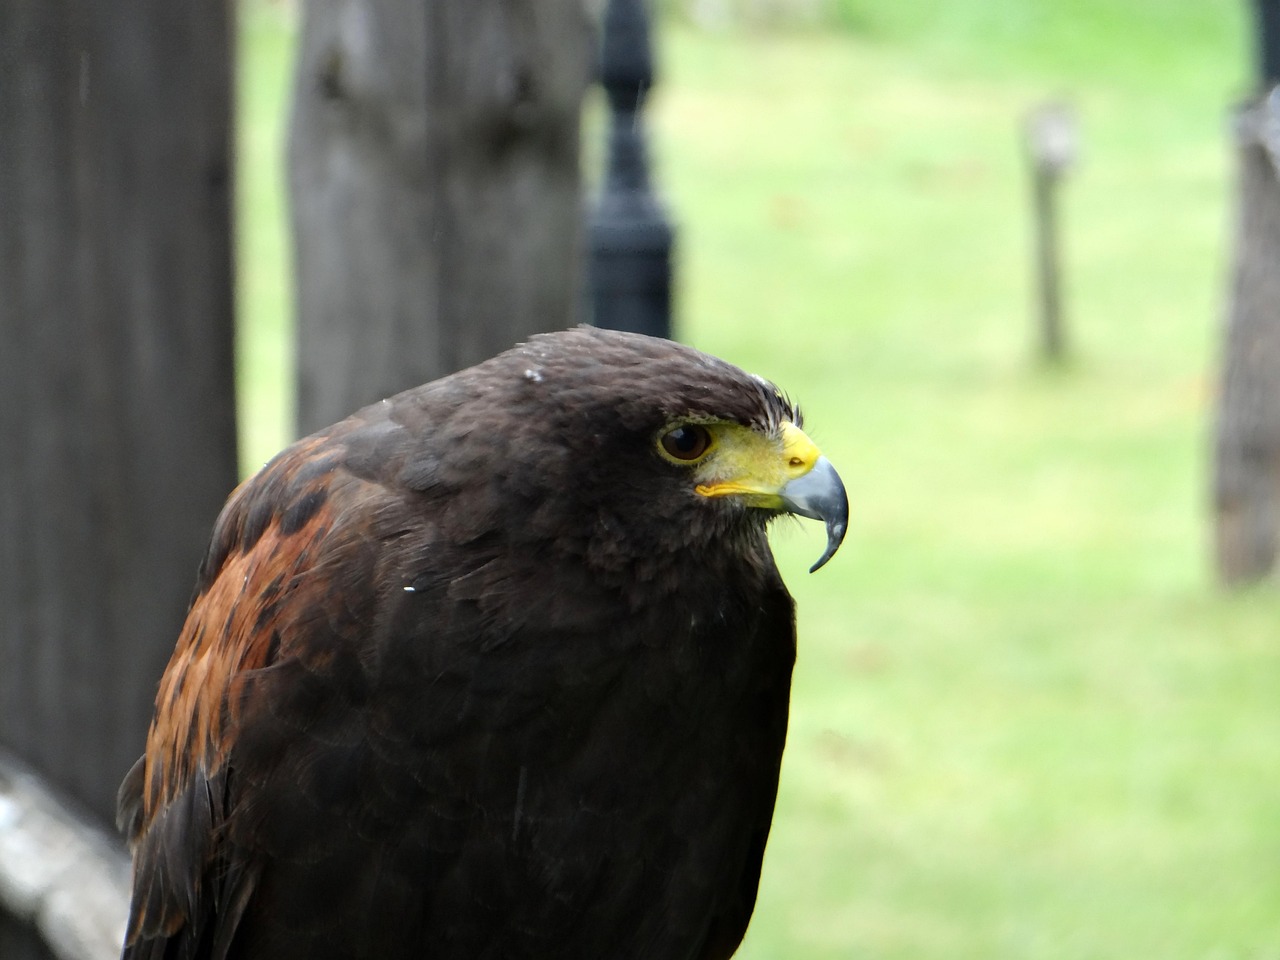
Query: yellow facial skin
[784, 472]
[743, 463]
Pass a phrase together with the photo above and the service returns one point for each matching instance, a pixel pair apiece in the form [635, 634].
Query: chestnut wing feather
[289, 555]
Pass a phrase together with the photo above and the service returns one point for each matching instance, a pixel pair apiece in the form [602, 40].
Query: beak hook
[820, 495]
[835, 536]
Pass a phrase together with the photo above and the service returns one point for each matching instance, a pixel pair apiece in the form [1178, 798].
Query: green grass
[1026, 724]
[264, 351]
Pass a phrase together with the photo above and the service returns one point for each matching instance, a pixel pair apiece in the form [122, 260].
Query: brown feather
[475, 674]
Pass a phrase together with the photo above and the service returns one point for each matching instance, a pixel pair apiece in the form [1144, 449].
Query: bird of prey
[495, 669]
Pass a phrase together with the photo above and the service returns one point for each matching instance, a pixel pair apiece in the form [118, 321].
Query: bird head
[660, 436]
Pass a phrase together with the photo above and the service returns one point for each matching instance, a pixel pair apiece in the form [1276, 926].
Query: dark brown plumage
[497, 668]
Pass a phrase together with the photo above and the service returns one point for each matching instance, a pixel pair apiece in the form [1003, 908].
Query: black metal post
[630, 237]
[1267, 16]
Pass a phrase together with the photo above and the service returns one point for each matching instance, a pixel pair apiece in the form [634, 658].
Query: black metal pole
[630, 237]
[1267, 13]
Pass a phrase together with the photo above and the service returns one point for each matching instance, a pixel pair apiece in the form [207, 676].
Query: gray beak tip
[835, 536]
[820, 495]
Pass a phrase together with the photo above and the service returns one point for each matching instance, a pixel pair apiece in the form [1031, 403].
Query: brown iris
[687, 442]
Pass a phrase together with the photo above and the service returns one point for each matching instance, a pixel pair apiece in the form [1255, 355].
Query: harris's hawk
[496, 669]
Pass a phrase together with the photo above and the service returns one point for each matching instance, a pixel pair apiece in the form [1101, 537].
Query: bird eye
[687, 442]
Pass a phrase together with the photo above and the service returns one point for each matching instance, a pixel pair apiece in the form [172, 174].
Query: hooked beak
[819, 495]
[800, 481]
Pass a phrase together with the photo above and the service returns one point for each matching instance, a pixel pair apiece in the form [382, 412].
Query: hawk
[495, 669]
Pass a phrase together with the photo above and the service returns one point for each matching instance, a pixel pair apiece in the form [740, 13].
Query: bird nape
[495, 669]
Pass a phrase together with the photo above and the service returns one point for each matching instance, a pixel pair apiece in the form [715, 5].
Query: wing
[279, 608]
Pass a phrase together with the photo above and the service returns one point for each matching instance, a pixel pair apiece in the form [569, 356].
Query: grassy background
[1026, 724]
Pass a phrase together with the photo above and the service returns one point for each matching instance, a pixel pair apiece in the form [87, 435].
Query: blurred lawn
[1026, 725]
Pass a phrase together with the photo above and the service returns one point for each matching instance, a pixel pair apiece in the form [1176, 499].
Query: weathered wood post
[1247, 441]
[116, 408]
[434, 185]
[629, 233]
[1051, 147]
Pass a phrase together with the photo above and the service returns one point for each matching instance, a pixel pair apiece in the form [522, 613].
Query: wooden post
[434, 180]
[116, 408]
[630, 234]
[1247, 435]
[117, 418]
[1247, 431]
[1051, 142]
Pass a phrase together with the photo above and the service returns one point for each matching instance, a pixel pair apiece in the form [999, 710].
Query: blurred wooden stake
[1247, 431]
[1051, 146]
[1246, 467]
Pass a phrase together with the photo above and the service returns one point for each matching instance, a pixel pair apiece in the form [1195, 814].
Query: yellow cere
[757, 467]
